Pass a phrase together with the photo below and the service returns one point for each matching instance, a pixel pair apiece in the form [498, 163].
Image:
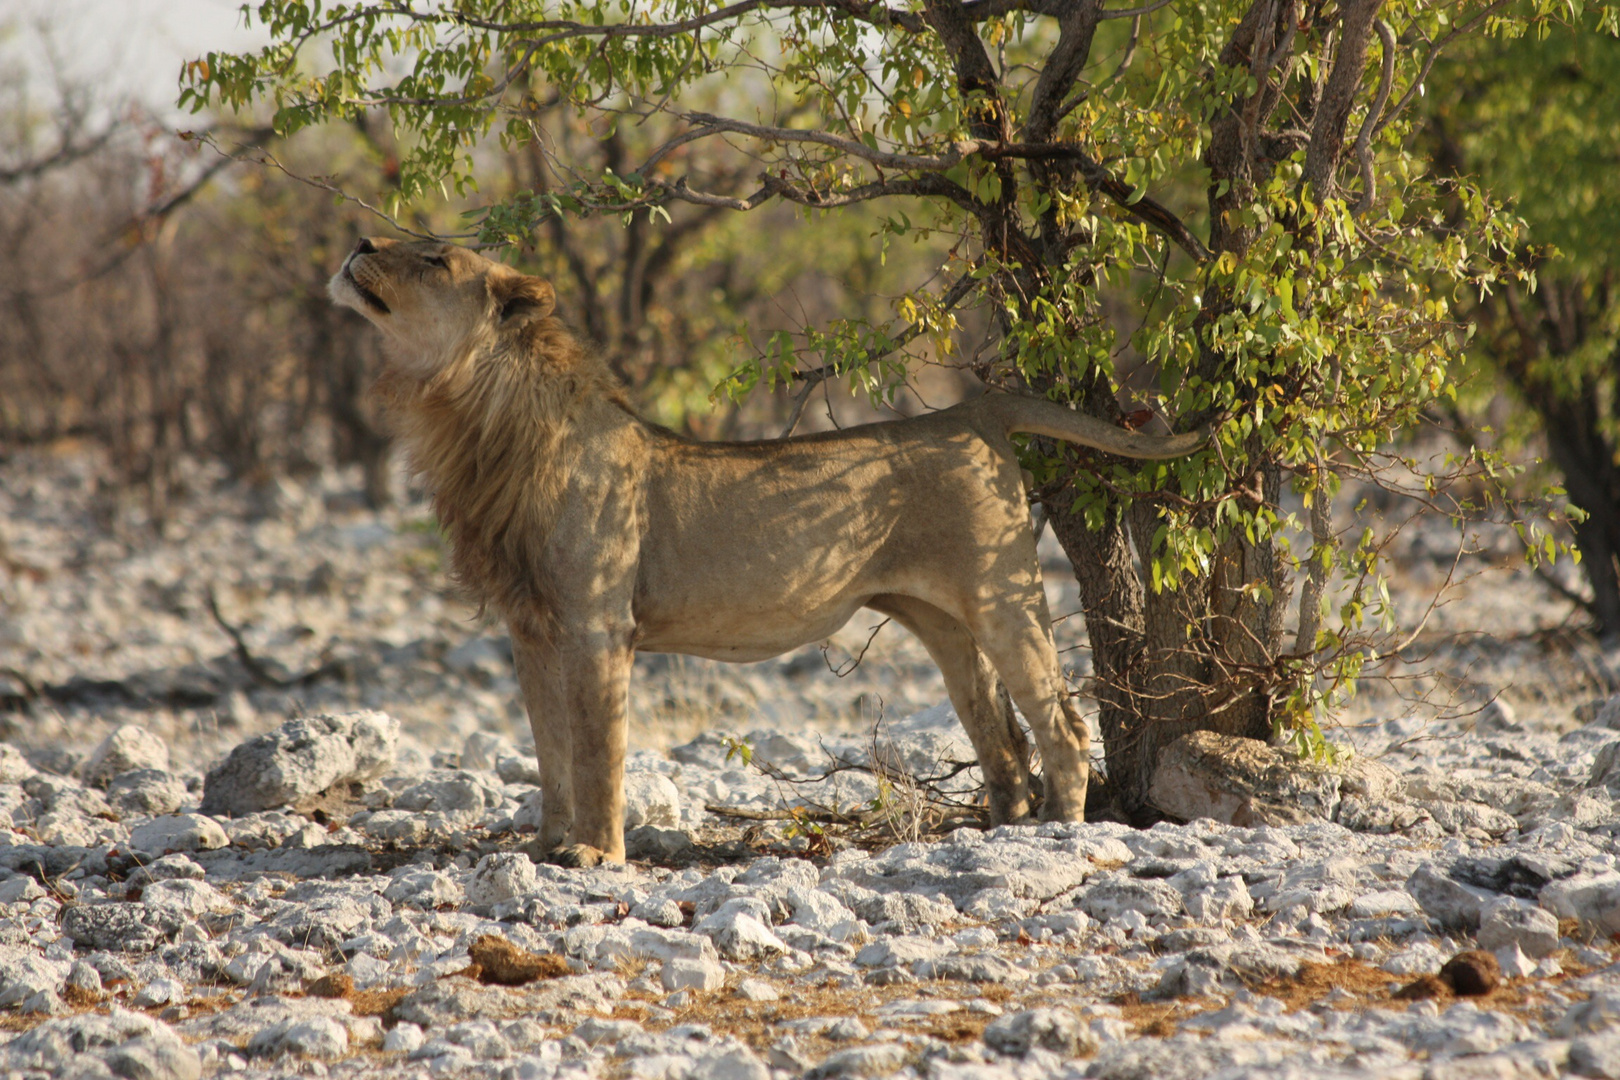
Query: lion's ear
[522, 298]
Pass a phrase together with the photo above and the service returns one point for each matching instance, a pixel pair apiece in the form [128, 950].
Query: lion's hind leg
[979, 698]
[1019, 644]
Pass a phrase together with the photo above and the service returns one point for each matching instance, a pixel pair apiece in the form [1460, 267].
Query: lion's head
[436, 301]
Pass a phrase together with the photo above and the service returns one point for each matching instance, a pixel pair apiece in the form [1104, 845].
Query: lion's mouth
[372, 300]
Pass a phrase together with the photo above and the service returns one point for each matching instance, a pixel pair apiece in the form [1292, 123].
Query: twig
[818, 815]
[952, 296]
[1386, 79]
[255, 667]
[850, 665]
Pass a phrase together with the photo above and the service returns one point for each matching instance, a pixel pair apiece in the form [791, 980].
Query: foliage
[1535, 120]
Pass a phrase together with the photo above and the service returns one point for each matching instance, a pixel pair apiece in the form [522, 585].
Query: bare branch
[821, 138]
[1135, 12]
[1429, 58]
[951, 297]
[68, 152]
[1386, 79]
[1145, 209]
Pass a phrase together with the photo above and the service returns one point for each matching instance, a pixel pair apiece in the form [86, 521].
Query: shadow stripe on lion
[596, 534]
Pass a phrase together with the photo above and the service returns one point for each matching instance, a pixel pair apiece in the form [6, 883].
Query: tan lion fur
[596, 534]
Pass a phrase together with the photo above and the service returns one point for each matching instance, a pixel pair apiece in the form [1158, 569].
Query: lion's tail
[1037, 416]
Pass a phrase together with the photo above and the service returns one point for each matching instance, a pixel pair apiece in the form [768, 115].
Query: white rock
[160, 992]
[314, 1036]
[661, 944]
[21, 889]
[177, 866]
[404, 1038]
[1057, 1030]
[14, 765]
[758, 990]
[500, 876]
[692, 973]
[146, 791]
[1420, 959]
[127, 748]
[178, 832]
[44, 1003]
[299, 760]
[901, 951]
[1449, 902]
[1228, 898]
[1508, 922]
[460, 796]
[190, 898]
[1514, 964]
[741, 936]
[817, 910]
[650, 799]
[730, 1063]
[1599, 1013]
[1109, 899]
[1240, 782]
[424, 888]
[1383, 902]
[483, 750]
[24, 973]
[1594, 899]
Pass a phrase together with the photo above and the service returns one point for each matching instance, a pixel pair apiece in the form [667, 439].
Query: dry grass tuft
[78, 997]
[336, 985]
[501, 963]
[377, 1002]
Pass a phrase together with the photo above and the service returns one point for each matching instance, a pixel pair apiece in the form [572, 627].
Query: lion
[596, 534]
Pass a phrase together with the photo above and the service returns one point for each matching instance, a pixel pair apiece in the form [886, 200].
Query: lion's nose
[365, 247]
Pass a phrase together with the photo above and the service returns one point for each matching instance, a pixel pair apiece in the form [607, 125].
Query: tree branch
[65, 154]
[1430, 57]
[1369, 183]
[1338, 96]
[1076, 28]
[1145, 209]
[952, 296]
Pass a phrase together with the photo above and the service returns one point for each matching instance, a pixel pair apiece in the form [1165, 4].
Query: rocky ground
[265, 797]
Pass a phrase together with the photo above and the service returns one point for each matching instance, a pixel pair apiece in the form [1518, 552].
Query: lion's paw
[577, 856]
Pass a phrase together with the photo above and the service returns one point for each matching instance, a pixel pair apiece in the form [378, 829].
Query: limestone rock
[1507, 922]
[144, 792]
[178, 832]
[1240, 782]
[1057, 1030]
[128, 748]
[650, 799]
[315, 1036]
[500, 876]
[299, 760]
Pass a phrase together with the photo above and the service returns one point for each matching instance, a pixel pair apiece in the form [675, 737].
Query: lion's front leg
[597, 679]
[540, 676]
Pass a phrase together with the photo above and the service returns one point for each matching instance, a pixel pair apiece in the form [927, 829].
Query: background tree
[1248, 161]
[1537, 119]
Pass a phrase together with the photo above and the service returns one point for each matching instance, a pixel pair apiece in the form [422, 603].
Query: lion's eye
[437, 260]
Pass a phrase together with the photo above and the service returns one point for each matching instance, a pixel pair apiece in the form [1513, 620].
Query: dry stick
[255, 667]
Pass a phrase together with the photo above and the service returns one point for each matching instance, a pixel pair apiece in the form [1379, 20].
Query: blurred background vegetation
[165, 293]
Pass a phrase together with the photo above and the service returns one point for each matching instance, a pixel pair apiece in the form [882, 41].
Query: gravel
[296, 881]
